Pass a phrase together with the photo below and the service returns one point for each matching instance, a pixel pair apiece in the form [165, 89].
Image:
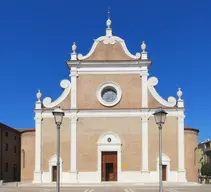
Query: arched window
[23, 158]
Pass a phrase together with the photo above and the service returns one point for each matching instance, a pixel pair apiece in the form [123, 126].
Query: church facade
[108, 131]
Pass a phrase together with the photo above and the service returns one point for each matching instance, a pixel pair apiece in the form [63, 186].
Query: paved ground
[197, 188]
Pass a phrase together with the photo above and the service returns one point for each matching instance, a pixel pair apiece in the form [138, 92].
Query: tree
[206, 169]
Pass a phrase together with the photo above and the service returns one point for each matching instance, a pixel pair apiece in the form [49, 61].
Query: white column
[181, 147]
[38, 121]
[73, 75]
[73, 126]
[144, 75]
[145, 167]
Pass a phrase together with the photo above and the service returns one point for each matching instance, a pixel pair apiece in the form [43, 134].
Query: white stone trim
[109, 70]
[114, 145]
[66, 85]
[181, 147]
[38, 128]
[109, 40]
[145, 148]
[152, 82]
[104, 86]
[73, 76]
[53, 162]
[110, 113]
[144, 75]
[165, 161]
[73, 152]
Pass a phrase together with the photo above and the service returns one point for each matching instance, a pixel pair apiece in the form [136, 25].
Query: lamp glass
[58, 115]
[160, 116]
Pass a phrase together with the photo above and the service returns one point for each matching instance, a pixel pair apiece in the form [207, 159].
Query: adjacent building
[9, 153]
[204, 152]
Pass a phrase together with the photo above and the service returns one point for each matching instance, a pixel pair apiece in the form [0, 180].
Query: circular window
[109, 94]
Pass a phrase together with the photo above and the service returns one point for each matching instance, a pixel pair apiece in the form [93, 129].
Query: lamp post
[160, 117]
[58, 116]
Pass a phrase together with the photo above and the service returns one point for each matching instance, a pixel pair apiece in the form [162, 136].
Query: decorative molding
[74, 119]
[66, 85]
[104, 86]
[109, 70]
[109, 40]
[110, 113]
[152, 82]
[114, 145]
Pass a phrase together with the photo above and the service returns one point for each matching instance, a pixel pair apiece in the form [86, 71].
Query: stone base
[145, 176]
[37, 177]
[182, 176]
[73, 177]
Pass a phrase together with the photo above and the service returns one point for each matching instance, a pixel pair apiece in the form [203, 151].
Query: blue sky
[36, 39]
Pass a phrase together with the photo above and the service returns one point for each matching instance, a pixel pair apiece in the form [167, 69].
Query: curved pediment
[109, 48]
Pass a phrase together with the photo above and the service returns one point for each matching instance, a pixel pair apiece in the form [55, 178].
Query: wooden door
[54, 173]
[109, 166]
[164, 172]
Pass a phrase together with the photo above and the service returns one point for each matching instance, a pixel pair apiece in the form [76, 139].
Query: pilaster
[144, 75]
[73, 153]
[181, 146]
[145, 158]
[38, 126]
[73, 76]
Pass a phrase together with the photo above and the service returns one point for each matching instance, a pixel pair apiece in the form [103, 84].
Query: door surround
[165, 161]
[109, 142]
[53, 162]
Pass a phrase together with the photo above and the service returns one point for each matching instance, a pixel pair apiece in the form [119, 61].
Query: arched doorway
[109, 157]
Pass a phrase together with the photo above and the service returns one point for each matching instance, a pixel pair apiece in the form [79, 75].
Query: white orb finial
[143, 46]
[39, 95]
[74, 47]
[108, 23]
[179, 93]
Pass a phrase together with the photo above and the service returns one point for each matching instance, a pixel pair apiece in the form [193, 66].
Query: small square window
[6, 167]
[6, 146]
[15, 138]
[6, 134]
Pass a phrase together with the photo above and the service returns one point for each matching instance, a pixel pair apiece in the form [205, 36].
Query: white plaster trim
[53, 162]
[109, 70]
[181, 142]
[107, 85]
[110, 113]
[144, 75]
[109, 40]
[145, 144]
[165, 161]
[38, 149]
[152, 82]
[113, 145]
[66, 85]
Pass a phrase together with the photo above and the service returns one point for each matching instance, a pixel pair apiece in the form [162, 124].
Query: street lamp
[160, 117]
[58, 116]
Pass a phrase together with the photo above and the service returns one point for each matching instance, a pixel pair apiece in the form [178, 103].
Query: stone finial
[143, 46]
[108, 22]
[39, 95]
[179, 94]
[74, 47]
